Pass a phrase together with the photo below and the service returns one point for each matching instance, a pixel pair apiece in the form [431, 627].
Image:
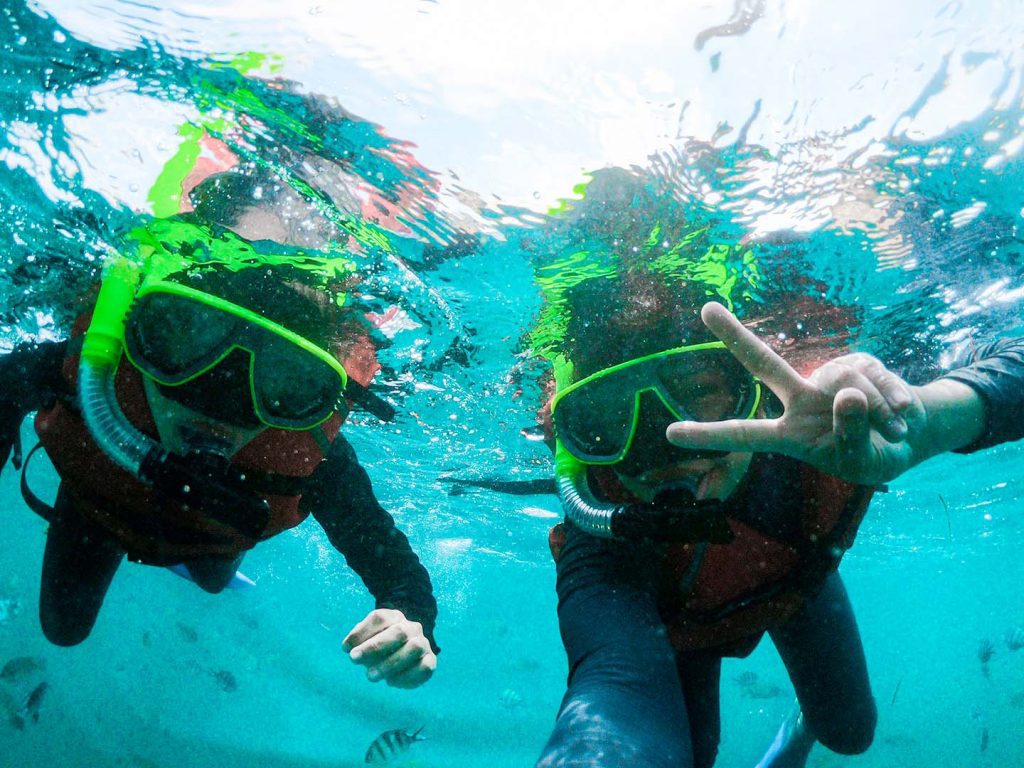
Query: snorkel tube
[673, 516]
[101, 352]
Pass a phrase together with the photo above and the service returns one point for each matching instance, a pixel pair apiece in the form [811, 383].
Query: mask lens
[293, 388]
[173, 338]
[222, 393]
[710, 385]
[595, 421]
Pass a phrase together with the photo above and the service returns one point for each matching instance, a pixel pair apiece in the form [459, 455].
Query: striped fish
[392, 743]
[30, 709]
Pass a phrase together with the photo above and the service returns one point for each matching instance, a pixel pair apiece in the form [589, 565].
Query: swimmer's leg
[79, 562]
[701, 674]
[822, 650]
[213, 574]
[624, 705]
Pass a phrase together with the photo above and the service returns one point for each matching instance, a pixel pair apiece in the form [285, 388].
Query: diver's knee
[852, 735]
[62, 632]
[214, 588]
[588, 734]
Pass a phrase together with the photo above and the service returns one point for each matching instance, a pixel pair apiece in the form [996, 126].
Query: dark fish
[986, 650]
[1015, 638]
[20, 666]
[188, 634]
[392, 743]
[30, 709]
[226, 680]
[746, 679]
[984, 738]
[762, 691]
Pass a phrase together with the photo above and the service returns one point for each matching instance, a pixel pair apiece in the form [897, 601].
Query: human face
[183, 430]
[707, 478]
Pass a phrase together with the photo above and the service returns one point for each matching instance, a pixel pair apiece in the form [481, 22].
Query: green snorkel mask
[597, 419]
[293, 384]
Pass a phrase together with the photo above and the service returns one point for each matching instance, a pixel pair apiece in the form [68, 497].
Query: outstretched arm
[396, 641]
[851, 417]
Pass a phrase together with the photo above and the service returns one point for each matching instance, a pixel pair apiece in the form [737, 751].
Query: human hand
[392, 648]
[851, 418]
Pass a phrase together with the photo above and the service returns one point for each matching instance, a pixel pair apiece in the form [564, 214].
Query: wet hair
[615, 319]
[287, 296]
[225, 198]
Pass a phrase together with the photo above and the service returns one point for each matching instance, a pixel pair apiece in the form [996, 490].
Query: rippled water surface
[857, 166]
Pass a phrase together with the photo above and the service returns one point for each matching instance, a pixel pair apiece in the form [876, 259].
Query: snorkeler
[196, 411]
[677, 554]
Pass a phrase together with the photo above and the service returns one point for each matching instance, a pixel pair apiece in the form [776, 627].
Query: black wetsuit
[81, 557]
[633, 700]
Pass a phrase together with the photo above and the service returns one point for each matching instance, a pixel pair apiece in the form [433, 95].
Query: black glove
[11, 417]
[30, 377]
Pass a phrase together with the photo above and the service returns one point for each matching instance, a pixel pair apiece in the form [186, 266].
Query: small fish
[746, 679]
[30, 709]
[392, 743]
[984, 738]
[986, 650]
[1015, 638]
[9, 608]
[510, 698]
[226, 680]
[188, 634]
[1017, 700]
[22, 666]
[762, 691]
[896, 690]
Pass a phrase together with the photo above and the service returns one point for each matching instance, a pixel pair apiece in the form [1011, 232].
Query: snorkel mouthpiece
[674, 516]
[207, 479]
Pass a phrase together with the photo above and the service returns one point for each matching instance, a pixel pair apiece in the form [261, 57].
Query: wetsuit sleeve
[997, 374]
[341, 499]
[30, 377]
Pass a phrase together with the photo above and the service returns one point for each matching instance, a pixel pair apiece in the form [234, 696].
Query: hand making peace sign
[851, 418]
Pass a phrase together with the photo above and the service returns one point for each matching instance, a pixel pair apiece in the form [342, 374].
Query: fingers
[852, 428]
[743, 435]
[886, 394]
[756, 356]
[896, 391]
[410, 672]
[412, 679]
[392, 648]
[375, 621]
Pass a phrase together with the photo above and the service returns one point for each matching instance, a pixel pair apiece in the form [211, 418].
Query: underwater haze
[865, 157]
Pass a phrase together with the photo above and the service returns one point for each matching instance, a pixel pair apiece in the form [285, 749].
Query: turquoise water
[869, 159]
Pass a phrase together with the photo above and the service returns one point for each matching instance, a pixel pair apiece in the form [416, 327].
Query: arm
[30, 377]
[996, 379]
[852, 417]
[341, 500]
